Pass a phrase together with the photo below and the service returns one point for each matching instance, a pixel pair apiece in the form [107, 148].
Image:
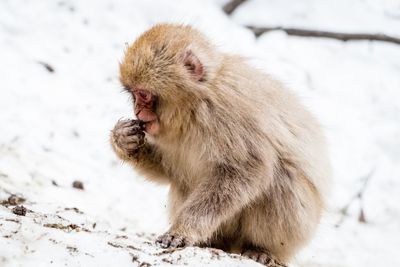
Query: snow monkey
[246, 163]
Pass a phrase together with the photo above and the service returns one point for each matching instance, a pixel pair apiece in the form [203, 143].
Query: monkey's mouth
[149, 118]
[145, 115]
[152, 127]
[145, 103]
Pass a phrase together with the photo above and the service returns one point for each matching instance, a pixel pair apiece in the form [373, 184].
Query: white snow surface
[55, 127]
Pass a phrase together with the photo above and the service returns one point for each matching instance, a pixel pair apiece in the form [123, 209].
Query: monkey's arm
[128, 142]
[228, 190]
[147, 161]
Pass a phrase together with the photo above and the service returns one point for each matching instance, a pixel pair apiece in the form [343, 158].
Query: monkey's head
[167, 70]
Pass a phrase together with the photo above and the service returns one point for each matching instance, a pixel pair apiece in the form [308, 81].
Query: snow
[340, 15]
[55, 126]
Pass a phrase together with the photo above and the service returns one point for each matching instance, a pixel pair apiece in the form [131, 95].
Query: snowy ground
[55, 127]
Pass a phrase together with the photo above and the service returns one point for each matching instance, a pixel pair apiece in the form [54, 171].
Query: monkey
[246, 163]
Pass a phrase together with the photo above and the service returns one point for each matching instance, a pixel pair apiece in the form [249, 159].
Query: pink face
[145, 110]
[145, 101]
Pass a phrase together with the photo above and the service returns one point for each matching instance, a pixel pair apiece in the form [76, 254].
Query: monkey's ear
[193, 65]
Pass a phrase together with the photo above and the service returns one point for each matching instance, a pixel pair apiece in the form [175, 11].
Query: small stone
[15, 200]
[78, 185]
[19, 210]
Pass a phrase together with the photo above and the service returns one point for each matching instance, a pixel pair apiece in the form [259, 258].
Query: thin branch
[357, 196]
[325, 34]
[231, 6]
[360, 193]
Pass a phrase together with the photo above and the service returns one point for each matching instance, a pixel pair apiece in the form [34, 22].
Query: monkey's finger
[178, 241]
[128, 142]
[164, 241]
[133, 146]
[263, 259]
[134, 130]
[254, 255]
[119, 128]
[139, 123]
[128, 130]
[135, 139]
[122, 122]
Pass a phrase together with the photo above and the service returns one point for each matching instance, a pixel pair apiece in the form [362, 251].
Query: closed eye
[129, 91]
[126, 89]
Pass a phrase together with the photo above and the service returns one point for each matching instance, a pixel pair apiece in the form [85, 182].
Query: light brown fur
[246, 162]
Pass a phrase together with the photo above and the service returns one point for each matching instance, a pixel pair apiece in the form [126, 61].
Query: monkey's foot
[263, 258]
[169, 240]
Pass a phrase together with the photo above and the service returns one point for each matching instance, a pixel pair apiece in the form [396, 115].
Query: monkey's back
[294, 133]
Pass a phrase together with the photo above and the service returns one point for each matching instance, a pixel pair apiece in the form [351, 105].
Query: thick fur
[246, 163]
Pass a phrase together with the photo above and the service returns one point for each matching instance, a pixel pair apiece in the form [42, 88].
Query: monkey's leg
[214, 201]
[262, 257]
[286, 216]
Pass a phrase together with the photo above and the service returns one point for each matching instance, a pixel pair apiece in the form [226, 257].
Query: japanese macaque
[246, 163]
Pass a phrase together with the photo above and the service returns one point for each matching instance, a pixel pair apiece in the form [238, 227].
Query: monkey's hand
[127, 137]
[172, 240]
[128, 142]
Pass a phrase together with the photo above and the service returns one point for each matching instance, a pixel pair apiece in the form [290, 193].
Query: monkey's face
[162, 73]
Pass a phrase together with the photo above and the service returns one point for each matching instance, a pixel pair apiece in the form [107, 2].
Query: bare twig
[357, 196]
[325, 34]
[47, 66]
[232, 5]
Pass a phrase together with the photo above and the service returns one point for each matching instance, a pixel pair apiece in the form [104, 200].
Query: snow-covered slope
[55, 126]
